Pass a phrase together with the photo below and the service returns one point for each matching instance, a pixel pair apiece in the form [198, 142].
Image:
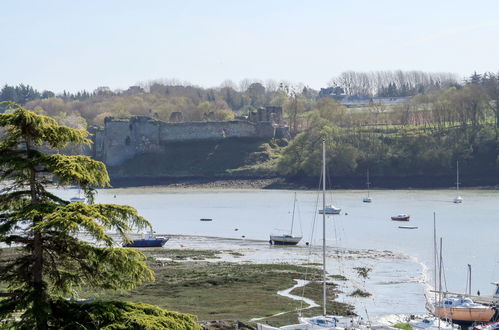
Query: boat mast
[324, 226]
[368, 183]
[435, 257]
[440, 272]
[457, 178]
[469, 271]
[293, 217]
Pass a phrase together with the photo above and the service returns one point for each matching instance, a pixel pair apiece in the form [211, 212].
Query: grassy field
[225, 291]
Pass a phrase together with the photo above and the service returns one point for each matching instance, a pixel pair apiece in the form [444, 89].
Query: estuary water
[470, 231]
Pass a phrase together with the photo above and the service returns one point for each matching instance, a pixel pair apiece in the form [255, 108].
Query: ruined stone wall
[178, 132]
[122, 139]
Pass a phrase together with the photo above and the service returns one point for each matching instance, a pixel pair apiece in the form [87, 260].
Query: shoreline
[388, 288]
[275, 183]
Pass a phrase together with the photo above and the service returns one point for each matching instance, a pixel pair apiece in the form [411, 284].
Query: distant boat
[458, 198]
[77, 199]
[205, 219]
[408, 227]
[150, 240]
[367, 199]
[401, 217]
[287, 239]
[331, 209]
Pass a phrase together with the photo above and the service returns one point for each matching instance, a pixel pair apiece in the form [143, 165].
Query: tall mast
[457, 177]
[368, 183]
[324, 226]
[469, 271]
[435, 257]
[293, 217]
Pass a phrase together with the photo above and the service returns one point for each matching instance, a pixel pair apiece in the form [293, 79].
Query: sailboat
[323, 321]
[458, 198]
[287, 239]
[326, 321]
[329, 209]
[456, 308]
[367, 199]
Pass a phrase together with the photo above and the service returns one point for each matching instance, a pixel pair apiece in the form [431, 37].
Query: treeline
[389, 83]
[159, 99]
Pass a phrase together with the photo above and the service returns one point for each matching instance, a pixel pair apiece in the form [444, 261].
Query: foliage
[110, 315]
[52, 260]
[403, 326]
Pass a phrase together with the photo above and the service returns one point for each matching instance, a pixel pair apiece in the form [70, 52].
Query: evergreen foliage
[113, 315]
[50, 260]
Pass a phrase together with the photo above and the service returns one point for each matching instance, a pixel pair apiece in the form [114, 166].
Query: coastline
[397, 281]
[281, 183]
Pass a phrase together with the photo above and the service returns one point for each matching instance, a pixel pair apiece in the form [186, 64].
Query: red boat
[401, 217]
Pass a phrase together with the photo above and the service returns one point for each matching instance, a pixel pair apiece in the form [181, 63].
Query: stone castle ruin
[122, 139]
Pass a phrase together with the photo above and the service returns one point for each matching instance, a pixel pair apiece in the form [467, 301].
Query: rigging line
[299, 217]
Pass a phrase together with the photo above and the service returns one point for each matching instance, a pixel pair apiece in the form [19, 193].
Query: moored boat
[150, 240]
[463, 309]
[287, 239]
[401, 217]
[330, 209]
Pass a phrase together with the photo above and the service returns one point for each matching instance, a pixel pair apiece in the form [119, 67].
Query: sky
[76, 45]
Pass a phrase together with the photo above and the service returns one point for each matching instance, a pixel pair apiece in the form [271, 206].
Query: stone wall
[123, 139]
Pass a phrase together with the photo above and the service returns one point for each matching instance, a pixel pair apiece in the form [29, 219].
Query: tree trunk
[40, 303]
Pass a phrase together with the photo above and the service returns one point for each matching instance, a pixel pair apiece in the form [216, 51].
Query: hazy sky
[76, 45]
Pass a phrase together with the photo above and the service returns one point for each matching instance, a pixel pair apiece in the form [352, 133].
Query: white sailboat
[368, 198]
[458, 198]
[323, 321]
[287, 239]
[326, 321]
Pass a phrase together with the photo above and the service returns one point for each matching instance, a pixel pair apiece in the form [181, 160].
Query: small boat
[463, 309]
[408, 227]
[287, 239]
[401, 217]
[205, 219]
[150, 240]
[458, 199]
[331, 209]
[77, 199]
[430, 323]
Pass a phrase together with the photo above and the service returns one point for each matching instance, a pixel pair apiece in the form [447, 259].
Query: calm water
[470, 230]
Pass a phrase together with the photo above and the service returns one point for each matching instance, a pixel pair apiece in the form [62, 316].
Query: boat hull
[331, 211]
[284, 240]
[144, 243]
[400, 218]
[465, 314]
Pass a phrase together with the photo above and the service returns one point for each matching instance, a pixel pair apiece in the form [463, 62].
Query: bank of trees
[423, 137]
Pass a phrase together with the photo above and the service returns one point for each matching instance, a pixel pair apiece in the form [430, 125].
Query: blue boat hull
[142, 243]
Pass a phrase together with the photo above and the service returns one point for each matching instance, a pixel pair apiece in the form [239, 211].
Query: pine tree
[46, 259]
